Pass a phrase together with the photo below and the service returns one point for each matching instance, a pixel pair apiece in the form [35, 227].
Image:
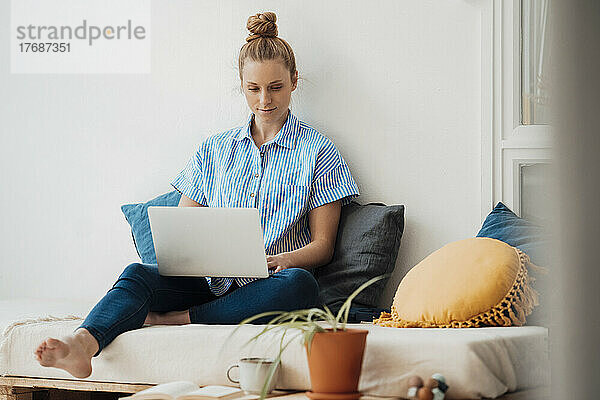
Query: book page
[165, 391]
[215, 391]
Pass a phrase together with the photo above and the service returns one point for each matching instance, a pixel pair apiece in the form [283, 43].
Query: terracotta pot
[335, 360]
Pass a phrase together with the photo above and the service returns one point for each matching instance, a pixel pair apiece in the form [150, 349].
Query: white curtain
[534, 61]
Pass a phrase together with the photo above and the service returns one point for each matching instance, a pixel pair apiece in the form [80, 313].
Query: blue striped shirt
[296, 171]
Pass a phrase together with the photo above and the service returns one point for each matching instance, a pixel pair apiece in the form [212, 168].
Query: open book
[184, 390]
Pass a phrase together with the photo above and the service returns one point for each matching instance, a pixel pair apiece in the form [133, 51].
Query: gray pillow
[366, 246]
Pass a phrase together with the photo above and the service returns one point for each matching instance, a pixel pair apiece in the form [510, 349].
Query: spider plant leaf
[273, 368]
[308, 336]
[328, 312]
[267, 327]
[257, 316]
[315, 314]
[345, 309]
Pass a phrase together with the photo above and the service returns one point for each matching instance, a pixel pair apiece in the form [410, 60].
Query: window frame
[506, 144]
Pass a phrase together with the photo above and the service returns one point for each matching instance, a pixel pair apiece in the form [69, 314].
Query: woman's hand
[323, 224]
[279, 262]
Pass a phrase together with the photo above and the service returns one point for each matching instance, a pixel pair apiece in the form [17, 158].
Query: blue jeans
[141, 289]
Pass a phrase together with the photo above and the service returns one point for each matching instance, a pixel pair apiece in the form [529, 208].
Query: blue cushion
[137, 217]
[505, 225]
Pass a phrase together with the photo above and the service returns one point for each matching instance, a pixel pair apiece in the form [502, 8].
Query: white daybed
[485, 362]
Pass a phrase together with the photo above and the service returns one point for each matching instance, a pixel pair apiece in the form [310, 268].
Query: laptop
[208, 241]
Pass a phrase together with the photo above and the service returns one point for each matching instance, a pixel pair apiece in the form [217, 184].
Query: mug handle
[229, 377]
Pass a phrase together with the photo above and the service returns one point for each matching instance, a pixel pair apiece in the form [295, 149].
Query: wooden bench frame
[15, 387]
[12, 386]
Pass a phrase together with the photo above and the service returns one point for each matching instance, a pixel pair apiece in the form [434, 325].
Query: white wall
[395, 84]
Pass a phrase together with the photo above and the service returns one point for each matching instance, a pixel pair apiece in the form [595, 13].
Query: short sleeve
[332, 179]
[190, 181]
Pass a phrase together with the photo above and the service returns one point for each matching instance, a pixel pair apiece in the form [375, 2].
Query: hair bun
[262, 25]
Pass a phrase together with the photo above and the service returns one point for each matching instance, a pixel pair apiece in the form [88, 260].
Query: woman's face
[268, 88]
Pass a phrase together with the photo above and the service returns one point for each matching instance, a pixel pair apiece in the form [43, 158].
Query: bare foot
[72, 353]
[168, 318]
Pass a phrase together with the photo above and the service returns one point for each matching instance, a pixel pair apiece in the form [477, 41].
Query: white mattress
[483, 362]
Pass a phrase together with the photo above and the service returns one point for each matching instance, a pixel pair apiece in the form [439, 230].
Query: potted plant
[334, 352]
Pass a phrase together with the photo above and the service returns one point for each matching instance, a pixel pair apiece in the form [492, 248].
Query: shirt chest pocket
[235, 192]
[288, 200]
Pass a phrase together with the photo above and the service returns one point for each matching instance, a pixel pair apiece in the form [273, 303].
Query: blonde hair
[263, 44]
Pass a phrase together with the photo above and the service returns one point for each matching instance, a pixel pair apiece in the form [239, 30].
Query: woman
[276, 163]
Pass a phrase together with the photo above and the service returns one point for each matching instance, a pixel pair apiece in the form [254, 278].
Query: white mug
[254, 372]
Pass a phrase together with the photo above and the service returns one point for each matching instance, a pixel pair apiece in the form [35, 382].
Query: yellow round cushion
[470, 283]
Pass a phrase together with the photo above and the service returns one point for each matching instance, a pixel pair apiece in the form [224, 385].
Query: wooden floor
[21, 388]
